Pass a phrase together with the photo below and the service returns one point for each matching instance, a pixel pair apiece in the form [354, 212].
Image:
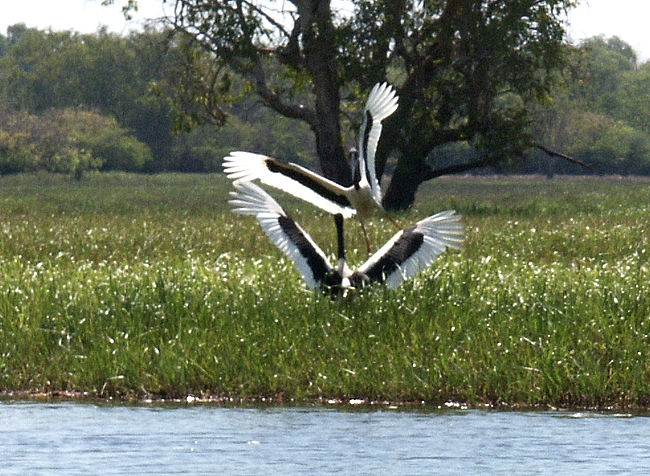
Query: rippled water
[71, 438]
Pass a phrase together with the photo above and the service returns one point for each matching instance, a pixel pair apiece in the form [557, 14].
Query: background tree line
[71, 102]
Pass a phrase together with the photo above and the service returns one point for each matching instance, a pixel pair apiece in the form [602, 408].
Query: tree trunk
[327, 130]
[319, 50]
[408, 176]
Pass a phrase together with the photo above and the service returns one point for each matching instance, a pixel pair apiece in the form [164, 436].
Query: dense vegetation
[71, 102]
[466, 71]
[600, 113]
[124, 285]
[147, 286]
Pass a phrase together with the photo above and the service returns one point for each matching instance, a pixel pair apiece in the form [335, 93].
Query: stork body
[361, 199]
[407, 253]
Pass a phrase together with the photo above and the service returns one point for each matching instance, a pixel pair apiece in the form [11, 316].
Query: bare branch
[458, 168]
[563, 156]
[269, 18]
[275, 102]
[491, 161]
[270, 98]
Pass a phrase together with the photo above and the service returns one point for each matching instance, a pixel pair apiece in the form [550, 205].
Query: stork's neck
[357, 167]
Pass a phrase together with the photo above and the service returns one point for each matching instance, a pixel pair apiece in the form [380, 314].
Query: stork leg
[392, 220]
[365, 232]
[365, 235]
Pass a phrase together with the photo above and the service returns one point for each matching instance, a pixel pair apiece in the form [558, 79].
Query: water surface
[73, 438]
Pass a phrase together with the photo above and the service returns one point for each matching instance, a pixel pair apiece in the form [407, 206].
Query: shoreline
[83, 397]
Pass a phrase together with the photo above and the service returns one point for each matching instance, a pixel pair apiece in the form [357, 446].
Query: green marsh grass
[148, 287]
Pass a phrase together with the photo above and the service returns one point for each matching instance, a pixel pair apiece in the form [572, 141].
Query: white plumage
[439, 232]
[407, 253]
[252, 200]
[360, 199]
[382, 102]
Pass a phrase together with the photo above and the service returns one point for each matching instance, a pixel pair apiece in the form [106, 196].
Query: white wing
[414, 249]
[382, 102]
[291, 178]
[288, 236]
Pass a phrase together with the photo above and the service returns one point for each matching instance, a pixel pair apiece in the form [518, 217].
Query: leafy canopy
[466, 71]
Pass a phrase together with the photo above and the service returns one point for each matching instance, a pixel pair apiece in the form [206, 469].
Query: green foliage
[203, 149]
[454, 63]
[135, 286]
[16, 153]
[599, 114]
[486, 104]
[633, 97]
[614, 143]
[129, 82]
[111, 74]
[118, 150]
[69, 141]
[607, 60]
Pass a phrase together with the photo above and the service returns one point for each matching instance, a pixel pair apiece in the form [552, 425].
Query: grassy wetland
[143, 287]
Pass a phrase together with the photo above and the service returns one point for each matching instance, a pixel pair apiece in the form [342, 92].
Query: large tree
[465, 70]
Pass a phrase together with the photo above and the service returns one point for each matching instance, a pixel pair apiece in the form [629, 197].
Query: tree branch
[424, 66]
[491, 161]
[275, 102]
[458, 168]
[563, 156]
[268, 18]
[271, 99]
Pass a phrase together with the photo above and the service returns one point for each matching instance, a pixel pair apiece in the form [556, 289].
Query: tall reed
[136, 286]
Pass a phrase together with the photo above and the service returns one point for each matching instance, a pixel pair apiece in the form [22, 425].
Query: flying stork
[362, 198]
[408, 252]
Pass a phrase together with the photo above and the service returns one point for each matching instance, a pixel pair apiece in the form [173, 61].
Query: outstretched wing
[293, 241]
[291, 178]
[382, 102]
[413, 249]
